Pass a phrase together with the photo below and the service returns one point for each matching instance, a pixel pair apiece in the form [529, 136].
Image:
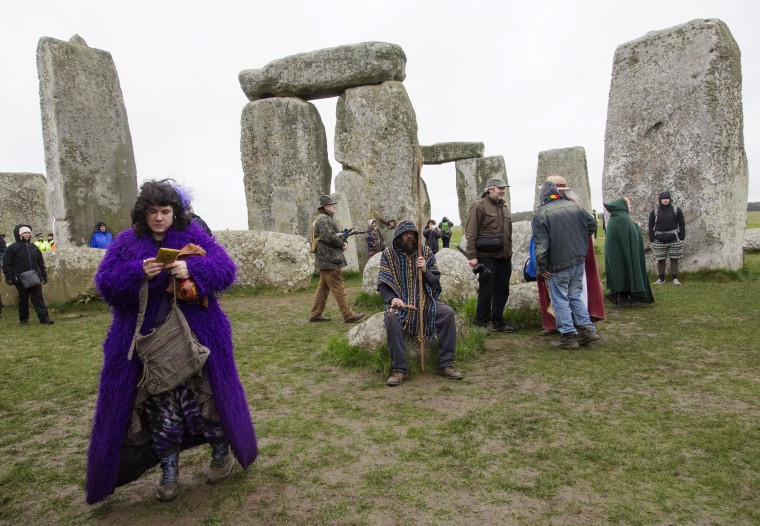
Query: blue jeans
[566, 292]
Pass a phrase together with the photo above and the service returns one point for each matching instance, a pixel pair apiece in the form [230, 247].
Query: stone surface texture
[283, 149]
[472, 175]
[376, 144]
[281, 261]
[569, 163]
[89, 159]
[325, 72]
[458, 283]
[752, 240]
[675, 122]
[446, 152]
[521, 234]
[523, 296]
[24, 199]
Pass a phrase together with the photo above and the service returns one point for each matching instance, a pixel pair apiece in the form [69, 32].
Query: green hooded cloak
[624, 261]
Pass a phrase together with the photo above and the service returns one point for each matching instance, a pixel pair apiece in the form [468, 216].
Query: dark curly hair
[158, 193]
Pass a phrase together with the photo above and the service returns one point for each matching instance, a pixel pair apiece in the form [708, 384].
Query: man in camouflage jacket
[331, 243]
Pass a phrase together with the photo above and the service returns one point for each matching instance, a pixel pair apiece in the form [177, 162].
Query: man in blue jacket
[561, 230]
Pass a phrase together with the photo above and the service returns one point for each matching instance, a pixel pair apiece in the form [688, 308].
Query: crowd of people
[136, 426]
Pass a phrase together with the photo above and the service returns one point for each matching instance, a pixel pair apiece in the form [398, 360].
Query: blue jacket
[101, 239]
[561, 229]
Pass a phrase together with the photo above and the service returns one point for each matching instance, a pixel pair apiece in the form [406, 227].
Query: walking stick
[420, 285]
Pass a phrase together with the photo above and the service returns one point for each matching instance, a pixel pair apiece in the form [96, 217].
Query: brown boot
[396, 378]
[221, 461]
[354, 318]
[586, 336]
[450, 373]
[567, 341]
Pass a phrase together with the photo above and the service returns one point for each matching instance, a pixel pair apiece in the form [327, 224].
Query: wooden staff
[420, 285]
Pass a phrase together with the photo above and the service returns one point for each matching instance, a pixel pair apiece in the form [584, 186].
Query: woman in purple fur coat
[132, 430]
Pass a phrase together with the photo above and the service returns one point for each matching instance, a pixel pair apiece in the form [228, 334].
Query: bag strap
[141, 312]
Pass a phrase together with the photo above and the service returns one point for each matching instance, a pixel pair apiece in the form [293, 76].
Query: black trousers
[38, 302]
[445, 326]
[493, 291]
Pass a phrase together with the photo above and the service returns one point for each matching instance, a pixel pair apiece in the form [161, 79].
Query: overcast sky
[520, 77]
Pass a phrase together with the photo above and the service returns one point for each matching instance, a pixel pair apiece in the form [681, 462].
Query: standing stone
[521, 234]
[88, 148]
[376, 142]
[569, 163]
[284, 153]
[472, 176]
[325, 72]
[675, 122]
[24, 199]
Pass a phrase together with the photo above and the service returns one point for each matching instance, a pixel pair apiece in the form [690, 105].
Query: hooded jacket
[666, 223]
[561, 230]
[398, 278]
[624, 261]
[101, 239]
[22, 256]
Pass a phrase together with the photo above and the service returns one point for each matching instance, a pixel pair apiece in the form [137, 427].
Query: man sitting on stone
[398, 284]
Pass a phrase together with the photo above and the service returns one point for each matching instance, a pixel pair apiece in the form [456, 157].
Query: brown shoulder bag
[170, 353]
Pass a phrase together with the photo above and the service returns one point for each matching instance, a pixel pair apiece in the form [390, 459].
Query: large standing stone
[674, 122]
[569, 163]
[376, 142]
[521, 234]
[446, 152]
[280, 261]
[326, 72]
[284, 153]
[472, 176]
[88, 148]
[24, 199]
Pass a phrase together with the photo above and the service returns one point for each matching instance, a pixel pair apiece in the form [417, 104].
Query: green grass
[654, 424]
[753, 219]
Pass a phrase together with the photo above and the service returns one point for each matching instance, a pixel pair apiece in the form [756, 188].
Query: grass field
[655, 424]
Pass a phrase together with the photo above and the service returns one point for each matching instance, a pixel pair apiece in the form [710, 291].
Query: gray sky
[522, 77]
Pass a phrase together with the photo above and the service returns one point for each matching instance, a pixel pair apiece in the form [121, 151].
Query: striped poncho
[398, 272]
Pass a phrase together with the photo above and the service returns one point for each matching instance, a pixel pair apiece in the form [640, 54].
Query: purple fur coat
[118, 279]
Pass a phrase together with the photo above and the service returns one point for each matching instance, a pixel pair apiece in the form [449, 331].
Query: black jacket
[22, 256]
[668, 220]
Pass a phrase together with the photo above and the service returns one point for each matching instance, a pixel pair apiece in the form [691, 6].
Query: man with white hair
[489, 241]
[24, 267]
[561, 231]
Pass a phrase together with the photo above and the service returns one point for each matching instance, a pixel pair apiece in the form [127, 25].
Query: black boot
[169, 486]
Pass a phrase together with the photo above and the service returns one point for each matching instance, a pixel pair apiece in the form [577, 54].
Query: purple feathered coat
[118, 279]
